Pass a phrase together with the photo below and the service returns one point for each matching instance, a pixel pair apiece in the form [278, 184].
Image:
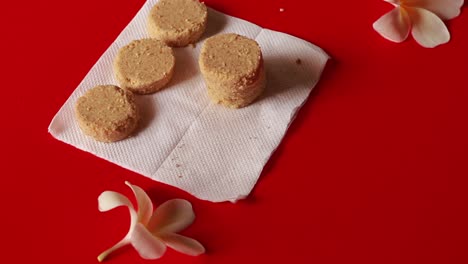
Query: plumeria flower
[150, 232]
[422, 17]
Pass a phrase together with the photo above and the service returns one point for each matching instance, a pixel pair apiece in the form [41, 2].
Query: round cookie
[144, 66]
[232, 66]
[107, 113]
[177, 22]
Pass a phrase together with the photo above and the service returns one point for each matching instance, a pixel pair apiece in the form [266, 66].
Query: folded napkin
[184, 140]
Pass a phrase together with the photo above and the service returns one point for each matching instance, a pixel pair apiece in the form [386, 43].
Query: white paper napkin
[210, 151]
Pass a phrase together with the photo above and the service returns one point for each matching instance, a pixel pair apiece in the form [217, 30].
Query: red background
[373, 170]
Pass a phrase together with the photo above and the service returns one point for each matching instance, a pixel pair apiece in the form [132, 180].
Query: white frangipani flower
[150, 232]
[422, 17]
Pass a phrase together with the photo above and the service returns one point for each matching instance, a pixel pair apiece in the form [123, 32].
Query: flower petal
[171, 217]
[147, 245]
[393, 2]
[183, 244]
[394, 25]
[445, 9]
[145, 206]
[109, 200]
[428, 29]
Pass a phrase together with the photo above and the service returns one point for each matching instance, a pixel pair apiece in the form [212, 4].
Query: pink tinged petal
[109, 200]
[393, 2]
[171, 217]
[445, 9]
[428, 29]
[183, 244]
[145, 206]
[394, 25]
[147, 245]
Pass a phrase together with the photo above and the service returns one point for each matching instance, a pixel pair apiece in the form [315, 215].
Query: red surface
[373, 170]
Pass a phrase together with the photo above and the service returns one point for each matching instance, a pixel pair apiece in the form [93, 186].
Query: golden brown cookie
[144, 66]
[177, 22]
[232, 66]
[107, 113]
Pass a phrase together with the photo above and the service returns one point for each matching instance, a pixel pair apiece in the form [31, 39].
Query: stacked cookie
[232, 66]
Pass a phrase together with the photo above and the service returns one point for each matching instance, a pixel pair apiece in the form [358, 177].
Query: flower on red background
[150, 232]
[422, 17]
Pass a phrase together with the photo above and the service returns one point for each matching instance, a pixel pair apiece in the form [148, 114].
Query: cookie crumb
[178, 165]
[179, 176]
[298, 62]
